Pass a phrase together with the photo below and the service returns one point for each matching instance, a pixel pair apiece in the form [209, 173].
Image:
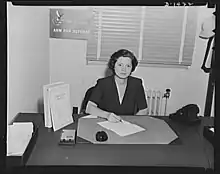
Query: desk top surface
[194, 150]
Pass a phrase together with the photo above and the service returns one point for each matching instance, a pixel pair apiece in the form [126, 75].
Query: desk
[194, 150]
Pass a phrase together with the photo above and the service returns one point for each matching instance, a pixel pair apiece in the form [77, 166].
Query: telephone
[186, 115]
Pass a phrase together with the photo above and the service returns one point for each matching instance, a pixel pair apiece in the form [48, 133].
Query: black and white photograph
[111, 86]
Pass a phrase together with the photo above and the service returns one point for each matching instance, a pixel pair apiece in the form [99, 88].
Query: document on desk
[123, 128]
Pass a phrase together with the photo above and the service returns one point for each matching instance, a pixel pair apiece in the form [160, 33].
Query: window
[157, 35]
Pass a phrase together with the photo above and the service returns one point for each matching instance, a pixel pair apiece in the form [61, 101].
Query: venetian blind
[157, 35]
[190, 36]
[169, 35]
[116, 27]
[92, 42]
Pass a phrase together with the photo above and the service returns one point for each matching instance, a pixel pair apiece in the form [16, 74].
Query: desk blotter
[157, 131]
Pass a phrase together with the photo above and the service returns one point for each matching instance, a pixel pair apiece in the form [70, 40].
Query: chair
[85, 100]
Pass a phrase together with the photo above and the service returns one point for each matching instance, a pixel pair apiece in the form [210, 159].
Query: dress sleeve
[96, 93]
[141, 99]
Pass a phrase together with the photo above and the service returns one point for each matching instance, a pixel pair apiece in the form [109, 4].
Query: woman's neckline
[116, 79]
[121, 98]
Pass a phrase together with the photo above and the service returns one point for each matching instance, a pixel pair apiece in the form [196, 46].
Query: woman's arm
[92, 109]
[142, 112]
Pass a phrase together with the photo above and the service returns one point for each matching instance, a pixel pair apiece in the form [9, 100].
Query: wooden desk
[194, 151]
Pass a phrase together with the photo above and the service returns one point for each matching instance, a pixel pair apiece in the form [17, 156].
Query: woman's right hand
[114, 118]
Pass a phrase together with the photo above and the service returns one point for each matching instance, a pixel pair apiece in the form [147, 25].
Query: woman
[119, 94]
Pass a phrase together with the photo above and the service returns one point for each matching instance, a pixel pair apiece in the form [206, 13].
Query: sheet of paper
[18, 137]
[90, 116]
[123, 128]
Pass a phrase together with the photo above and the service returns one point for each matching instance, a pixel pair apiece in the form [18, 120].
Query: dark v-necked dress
[105, 95]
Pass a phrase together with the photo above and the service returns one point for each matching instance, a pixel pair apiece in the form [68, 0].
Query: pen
[120, 120]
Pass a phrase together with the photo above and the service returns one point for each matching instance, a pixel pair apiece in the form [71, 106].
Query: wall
[68, 64]
[28, 58]
[35, 60]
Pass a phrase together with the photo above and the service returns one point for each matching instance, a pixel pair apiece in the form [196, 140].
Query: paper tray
[14, 161]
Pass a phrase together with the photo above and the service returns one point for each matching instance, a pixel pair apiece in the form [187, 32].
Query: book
[60, 108]
[47, 114]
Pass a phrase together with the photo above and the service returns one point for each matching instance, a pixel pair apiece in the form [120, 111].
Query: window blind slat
[116, 35]
[113, 16]
[172, 54]
[159, 62]
[120, 9]
[119, 31]
[120, 27]
[162, 40]
[109, 43]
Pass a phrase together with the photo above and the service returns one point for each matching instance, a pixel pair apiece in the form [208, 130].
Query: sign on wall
[71, 23]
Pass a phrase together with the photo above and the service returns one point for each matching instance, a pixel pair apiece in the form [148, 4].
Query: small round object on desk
[101, 136]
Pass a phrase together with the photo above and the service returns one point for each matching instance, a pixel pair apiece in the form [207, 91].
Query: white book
[47, 115]
[60, 106]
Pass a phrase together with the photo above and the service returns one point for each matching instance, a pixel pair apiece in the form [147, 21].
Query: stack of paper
[123, 128]
[57, 112]
[18, 137]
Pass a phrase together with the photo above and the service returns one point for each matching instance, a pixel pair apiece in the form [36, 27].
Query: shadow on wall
[40, 105]
[108, 72]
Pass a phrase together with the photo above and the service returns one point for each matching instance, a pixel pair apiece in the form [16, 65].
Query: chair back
[86, 99]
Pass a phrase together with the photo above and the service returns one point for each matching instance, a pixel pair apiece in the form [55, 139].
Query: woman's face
[123, 67]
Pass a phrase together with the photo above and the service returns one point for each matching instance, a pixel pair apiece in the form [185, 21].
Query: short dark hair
[122, 53]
